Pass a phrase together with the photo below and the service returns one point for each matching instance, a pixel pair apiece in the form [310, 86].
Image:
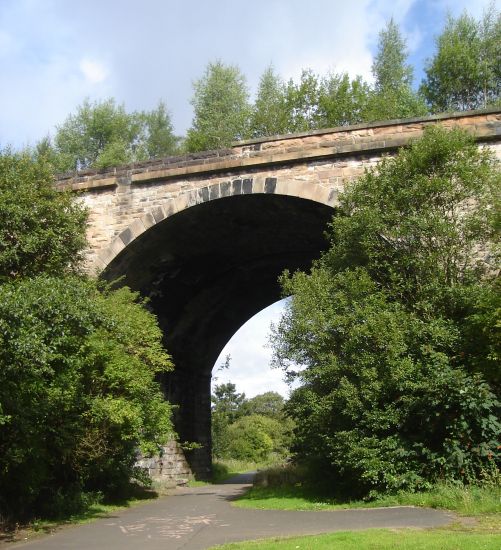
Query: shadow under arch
[208, 269]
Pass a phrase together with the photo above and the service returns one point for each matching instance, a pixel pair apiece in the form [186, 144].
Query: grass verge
[378, 539]
[468, 501]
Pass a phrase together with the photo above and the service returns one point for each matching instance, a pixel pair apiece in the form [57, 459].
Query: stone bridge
[205, 236]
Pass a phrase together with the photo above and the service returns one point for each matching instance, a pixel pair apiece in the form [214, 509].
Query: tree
[78, 395]
[465, 71]
[301, 101]
[270, 404]
[159, 139]
[103, 134]
[221, 108]
[41, 229]
[250, 438]
[269, 114]
[78, 361]
[342, 101]
[392, 96]
[226, 405]
[395, 391]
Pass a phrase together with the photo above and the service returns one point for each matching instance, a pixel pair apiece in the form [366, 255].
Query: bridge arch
[213, 191]
[209, 267]
[205, 236]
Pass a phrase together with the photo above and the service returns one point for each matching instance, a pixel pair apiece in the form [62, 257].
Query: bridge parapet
[377, 137]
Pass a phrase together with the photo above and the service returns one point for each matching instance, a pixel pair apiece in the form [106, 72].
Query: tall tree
[102, 134]
[342, 101]
[226, 404]
[221, 108]
[158, 137]
[269, 404]
[302, 102]
[269, 114]
[78, 361]
[392, 96]
[396, 391]
[41, 229]
[465, 72]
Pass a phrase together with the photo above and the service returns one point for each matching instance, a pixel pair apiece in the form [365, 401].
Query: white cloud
[93, 71]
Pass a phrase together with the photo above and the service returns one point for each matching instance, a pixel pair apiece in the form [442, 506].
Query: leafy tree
[226, 404]
[77, 361]
[395, 391]
[77, 391]
[226, 400]
[250, 438]
[41, 229]
[392, 96]
[270, 404]
[465, 72]
[301, 101]
[221, 105]
[103, 134]
[269, 114]
[342, 101]
[159, 139]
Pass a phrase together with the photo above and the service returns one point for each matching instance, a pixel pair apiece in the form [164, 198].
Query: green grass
[378, 539]
[470, 501]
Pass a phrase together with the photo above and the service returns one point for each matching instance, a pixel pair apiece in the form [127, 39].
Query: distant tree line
[253, 430]
[464, 73]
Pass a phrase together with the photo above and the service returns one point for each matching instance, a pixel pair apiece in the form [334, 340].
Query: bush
[397, 326]
[77, 392]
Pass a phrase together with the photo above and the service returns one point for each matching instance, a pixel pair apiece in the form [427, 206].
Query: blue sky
[55, 53]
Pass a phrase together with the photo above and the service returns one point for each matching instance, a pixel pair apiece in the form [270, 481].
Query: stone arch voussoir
[187, 199]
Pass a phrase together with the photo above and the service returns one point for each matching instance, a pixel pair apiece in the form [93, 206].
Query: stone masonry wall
[124, 202]
[169, 467]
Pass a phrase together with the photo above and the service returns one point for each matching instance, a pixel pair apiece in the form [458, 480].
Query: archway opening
[246, 359]
[206, 271]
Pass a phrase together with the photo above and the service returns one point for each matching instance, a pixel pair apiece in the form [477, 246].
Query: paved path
[200, 517]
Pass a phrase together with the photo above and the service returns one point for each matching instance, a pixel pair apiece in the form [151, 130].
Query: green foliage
[226, 403]
[389, 66]
[269, 113]
[256, 437]
[77, 390]
[465, 72]
[342, 101]
[249, 438]
[248, 429]
[221, 106]
[392, 96]
[301, 100]
[396, 392]
[41, 229]
[103, 134]
[158, 138]
[270, 404]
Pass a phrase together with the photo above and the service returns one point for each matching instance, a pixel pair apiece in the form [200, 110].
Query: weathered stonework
[126, 201]
[169, 467]
[206, 236]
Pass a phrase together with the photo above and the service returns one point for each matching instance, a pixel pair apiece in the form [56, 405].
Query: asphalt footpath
[200, 517]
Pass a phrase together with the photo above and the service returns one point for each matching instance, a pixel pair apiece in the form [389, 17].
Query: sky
[56, 53]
